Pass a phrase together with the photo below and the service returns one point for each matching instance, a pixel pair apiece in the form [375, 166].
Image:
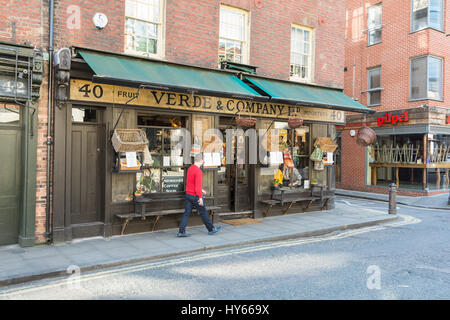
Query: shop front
[412, 150]
[177, 111]
[21, 69]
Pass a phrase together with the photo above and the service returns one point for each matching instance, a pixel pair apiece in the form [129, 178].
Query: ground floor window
[167, 173]
[291, 168]
[412, 161]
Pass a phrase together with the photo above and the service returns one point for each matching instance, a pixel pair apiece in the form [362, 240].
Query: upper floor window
[143, 27]
[374, 86]
[374, 24]
[233, 39]
[426, 78]
[301, 53]
[427, 14]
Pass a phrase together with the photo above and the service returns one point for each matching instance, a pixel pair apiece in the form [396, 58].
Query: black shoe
[215, 230]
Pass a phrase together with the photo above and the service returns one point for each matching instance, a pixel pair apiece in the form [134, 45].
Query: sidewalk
[432, 202]
[19, 265]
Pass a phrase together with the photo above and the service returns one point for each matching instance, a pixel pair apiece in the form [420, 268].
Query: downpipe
[48, 233]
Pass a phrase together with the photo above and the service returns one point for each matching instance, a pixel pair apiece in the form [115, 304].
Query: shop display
[129, 140]
[317, 154]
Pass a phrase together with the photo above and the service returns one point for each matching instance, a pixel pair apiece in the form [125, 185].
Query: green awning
[309, 95]
[131, 71]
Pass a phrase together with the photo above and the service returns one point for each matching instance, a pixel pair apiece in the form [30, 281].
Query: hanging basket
[295, 122]
[129, 140]
[366, 136]
[245, 122]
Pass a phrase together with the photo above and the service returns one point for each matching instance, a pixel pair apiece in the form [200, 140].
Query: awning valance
[308, 95]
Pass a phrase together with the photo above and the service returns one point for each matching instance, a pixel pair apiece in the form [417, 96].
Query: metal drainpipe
[49, 116]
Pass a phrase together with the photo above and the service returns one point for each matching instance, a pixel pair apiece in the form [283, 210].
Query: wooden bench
[127, 217]
[311, 198]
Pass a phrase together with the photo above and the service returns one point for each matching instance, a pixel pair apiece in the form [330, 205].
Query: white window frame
[160, 52]
[245, 54]
[310, 74]
[427, 57]
[377, 27]
[371, 90]
[428, 18]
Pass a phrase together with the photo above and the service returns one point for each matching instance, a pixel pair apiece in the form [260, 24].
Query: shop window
[297, 141]
[426, 78]
[9, 114]
[233, 39]
[143, 27]
[397, 155]
[374, 86]
[427, 14]
[301, 53]
[374, 24]
[438, 153]
[166, 175]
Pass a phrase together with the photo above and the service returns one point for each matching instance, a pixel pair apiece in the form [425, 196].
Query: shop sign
[82, 90]
[10, 88]
[388, 118]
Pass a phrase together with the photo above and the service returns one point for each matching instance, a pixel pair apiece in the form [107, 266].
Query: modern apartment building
[396, 63]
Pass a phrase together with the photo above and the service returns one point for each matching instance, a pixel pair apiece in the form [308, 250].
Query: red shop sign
[388, 118]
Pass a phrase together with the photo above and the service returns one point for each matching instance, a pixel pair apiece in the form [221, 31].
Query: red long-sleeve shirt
[194, 181]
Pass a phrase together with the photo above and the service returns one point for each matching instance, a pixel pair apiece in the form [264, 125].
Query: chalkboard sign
[173, 184]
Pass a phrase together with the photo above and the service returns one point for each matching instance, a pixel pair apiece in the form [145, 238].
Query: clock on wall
[100, 20]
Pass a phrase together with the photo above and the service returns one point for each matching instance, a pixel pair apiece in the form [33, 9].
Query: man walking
[194, 198]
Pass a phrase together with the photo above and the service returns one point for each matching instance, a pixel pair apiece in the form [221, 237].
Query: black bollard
[448, 201]
[392, 198]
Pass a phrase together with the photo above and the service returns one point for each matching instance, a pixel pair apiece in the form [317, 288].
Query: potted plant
[276, 184]
[314, 181]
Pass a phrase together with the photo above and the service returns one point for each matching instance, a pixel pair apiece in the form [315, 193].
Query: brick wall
[20, 24]
[393, 54]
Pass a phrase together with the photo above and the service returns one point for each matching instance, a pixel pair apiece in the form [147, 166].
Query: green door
[10, 183]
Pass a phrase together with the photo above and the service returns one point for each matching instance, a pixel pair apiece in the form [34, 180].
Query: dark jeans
[192, 202]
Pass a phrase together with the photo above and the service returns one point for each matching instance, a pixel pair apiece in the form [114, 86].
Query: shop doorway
[87, 166]
[11, 173]
[233, 179]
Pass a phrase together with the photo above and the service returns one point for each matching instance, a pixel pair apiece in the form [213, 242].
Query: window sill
[144, 55]
[442, 31]
[373, 44]
[422, 99]
[299, 80]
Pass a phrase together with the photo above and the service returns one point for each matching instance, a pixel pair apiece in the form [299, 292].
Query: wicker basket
[245, 122]
[295, 123]
[129, 140]
[366, 136]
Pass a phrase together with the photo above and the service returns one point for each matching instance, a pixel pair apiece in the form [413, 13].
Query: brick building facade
[392, 53]
[190, 36]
